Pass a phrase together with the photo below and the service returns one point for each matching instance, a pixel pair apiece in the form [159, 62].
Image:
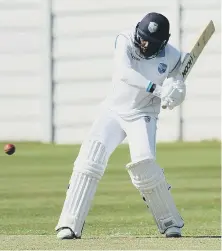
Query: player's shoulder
[173, 57]
[127, 34]
[172, 51]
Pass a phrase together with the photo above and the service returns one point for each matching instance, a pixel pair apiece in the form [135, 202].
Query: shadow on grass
[203, 236]
[155, 237]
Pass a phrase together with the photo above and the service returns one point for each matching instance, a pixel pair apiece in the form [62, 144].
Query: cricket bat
[192, 57]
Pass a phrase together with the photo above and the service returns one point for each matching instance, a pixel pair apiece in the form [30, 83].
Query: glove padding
[173, 94]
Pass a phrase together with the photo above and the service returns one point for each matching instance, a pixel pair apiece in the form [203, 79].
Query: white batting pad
[77, 204]
[92, 159]
[87, 172]
[149, 179]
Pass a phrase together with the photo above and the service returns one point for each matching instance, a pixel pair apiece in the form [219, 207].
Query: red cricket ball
[9, 149]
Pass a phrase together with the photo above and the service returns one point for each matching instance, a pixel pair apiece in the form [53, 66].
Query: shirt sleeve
[122, 52]
[176, 59]
[123, 70]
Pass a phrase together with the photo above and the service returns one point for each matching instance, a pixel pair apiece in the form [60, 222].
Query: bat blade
[192, 57]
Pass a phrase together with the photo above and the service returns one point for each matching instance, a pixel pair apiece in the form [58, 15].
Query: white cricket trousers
[111, 130]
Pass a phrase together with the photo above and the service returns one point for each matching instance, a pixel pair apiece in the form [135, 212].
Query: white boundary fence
[55, 66]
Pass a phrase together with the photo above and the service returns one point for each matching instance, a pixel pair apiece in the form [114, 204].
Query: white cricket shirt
[132, 74]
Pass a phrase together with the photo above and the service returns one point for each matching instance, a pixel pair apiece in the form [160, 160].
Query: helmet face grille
[153, 49]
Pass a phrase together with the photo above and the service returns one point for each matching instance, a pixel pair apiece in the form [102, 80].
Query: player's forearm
[133, 78]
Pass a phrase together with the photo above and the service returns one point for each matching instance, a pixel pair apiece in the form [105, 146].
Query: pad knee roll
[149, 179]
[92, 159]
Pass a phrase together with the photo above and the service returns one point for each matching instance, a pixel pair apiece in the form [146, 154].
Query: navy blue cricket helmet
[152, 35]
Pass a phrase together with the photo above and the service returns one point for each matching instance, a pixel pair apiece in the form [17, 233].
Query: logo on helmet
[152, 27]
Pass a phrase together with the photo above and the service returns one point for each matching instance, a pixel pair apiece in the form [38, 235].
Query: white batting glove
[173, 94]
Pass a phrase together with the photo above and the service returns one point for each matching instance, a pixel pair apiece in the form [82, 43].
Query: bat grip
[164, 104]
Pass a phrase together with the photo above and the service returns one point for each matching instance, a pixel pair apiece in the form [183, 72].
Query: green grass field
[33, 183]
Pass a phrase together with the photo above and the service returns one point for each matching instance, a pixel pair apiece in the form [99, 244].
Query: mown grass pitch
[33, 183]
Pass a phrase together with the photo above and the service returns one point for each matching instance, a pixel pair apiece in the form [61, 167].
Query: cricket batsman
[142, 56]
